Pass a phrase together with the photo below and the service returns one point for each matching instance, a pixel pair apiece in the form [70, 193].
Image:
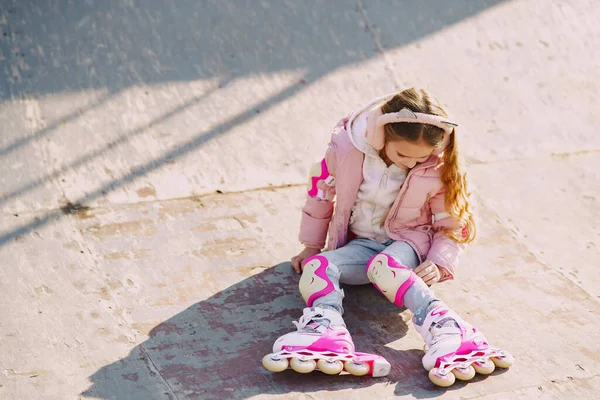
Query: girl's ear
[445, 142]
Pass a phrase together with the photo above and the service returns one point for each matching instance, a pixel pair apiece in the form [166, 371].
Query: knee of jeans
[404, 254]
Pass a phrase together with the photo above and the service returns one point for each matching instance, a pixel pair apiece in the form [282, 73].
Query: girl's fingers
[296, 264]
[431, 282]
[425, 271]
[424, 266]
[432, 278]
[429, 276]
[419, 269]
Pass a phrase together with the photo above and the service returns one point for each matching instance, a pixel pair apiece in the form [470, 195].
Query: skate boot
[322, 342]
[456, 350]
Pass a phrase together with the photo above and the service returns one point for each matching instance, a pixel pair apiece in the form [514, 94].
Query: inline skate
[322, 342]
[456, 350]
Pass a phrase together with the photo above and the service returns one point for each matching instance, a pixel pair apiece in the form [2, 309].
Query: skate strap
[311, 321]
[445, 322]
[444, 329]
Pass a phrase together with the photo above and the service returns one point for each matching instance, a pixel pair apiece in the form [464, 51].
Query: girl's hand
[429, 272]
[298, 261]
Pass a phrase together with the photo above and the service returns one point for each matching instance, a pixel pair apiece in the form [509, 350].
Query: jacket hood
[357, 126]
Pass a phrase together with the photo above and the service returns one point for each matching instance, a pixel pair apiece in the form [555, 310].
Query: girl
[401, 221]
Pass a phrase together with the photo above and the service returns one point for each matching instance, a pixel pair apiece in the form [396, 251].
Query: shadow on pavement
[68, 45]
[213, 349]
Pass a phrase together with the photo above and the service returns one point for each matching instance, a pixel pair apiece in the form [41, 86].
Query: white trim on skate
[304, 339]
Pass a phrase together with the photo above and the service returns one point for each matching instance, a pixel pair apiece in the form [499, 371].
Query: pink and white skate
[452, 355]
[325, 347]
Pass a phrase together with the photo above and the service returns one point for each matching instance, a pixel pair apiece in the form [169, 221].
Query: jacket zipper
[397, 206]
[398, 201]
[382, 182]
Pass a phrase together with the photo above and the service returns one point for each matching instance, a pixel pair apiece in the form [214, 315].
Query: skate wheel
[357, 368]
[274, 363]
[303, 366]
[484, 367]
[444, 380]
[504, 361]
[464, 374]
[330, 367]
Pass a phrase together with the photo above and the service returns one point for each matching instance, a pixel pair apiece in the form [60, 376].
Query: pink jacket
[410, 219]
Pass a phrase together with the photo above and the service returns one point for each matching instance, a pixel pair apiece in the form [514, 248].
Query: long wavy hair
[452, 176]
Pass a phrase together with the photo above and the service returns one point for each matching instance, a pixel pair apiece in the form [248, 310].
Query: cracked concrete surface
[152, 161]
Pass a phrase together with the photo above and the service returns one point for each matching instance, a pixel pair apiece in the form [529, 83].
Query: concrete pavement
[152, 162]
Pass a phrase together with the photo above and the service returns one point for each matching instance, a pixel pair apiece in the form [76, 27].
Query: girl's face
[407, 154]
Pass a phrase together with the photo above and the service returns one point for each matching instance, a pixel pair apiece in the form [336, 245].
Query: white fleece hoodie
[380, 186]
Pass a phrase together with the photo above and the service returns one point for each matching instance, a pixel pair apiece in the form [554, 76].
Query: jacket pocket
[406, 216]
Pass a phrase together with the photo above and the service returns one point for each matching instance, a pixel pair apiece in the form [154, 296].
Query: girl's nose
[410, 163]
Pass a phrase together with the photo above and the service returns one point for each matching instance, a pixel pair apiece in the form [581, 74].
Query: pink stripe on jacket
[410, 219]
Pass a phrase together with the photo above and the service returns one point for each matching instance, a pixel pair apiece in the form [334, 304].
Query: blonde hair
[452, 176]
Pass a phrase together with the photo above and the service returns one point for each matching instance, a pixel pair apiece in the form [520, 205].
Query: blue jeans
[351, 262]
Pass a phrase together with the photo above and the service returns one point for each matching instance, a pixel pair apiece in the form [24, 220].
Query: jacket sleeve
[444, 251]
[318, 208]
